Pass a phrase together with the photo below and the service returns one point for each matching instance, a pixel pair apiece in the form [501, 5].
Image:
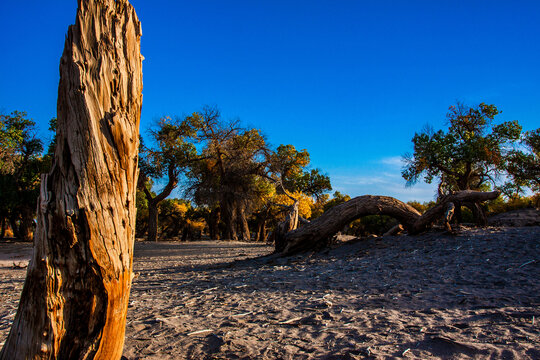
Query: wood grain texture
[75, 297]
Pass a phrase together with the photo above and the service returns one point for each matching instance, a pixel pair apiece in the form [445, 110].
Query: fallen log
[315, 235]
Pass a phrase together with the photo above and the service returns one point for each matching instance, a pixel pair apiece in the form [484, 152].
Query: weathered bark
[74, 301]
[448, 216]
[285, 227]
[317, 233]
[394, 230]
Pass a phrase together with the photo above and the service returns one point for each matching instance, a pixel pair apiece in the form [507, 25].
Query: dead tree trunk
[284, 227]
[74, 301]
[314, 235]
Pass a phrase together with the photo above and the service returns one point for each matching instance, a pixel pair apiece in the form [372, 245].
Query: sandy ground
[471, 296]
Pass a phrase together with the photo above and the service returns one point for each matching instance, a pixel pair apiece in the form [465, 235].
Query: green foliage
[21, 163]
[17, 141]
[469, 155]
[371, 225]
[172, 150]
[502, 205]
[289, 165]
[523, 165]
[421, 207]
[337, 198]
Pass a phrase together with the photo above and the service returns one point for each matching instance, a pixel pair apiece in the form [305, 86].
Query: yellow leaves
[305, 203]
[196, 225]
[180, 209]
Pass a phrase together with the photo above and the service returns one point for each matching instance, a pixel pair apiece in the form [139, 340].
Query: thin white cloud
[393, 161]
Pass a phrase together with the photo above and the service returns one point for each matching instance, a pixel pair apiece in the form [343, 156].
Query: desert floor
[435, 296]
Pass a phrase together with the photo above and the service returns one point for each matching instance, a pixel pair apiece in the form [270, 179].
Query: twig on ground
[526, 263]
[243, 314]
[199, 332]
[290, 321]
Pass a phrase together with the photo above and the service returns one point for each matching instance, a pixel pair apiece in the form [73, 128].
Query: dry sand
[471, 296]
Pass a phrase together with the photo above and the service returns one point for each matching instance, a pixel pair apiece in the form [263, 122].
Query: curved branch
[312, 235]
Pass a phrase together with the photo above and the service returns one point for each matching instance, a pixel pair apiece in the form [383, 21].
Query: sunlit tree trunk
[75, 297]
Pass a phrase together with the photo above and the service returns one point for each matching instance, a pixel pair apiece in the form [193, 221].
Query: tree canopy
[21, 163]
[172, 151]
[470, 155]
[523, 165]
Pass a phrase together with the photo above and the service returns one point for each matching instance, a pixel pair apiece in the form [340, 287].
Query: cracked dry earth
[475, 295]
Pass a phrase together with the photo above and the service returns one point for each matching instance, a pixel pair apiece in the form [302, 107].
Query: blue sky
[350, 81]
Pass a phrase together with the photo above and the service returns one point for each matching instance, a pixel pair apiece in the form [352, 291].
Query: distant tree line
[234, 185]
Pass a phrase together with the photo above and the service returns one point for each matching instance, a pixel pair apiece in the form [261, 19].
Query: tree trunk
[213, 226]
[261, 230]
[315, 234]
[185, 233]
[229, 212]
[244, 226]
[479, 214]
[3, 223]
[74, 301]
[153, 202]
[284, 227]
[14, 226]
[152, 221]
[26, 227]
[458, 212]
